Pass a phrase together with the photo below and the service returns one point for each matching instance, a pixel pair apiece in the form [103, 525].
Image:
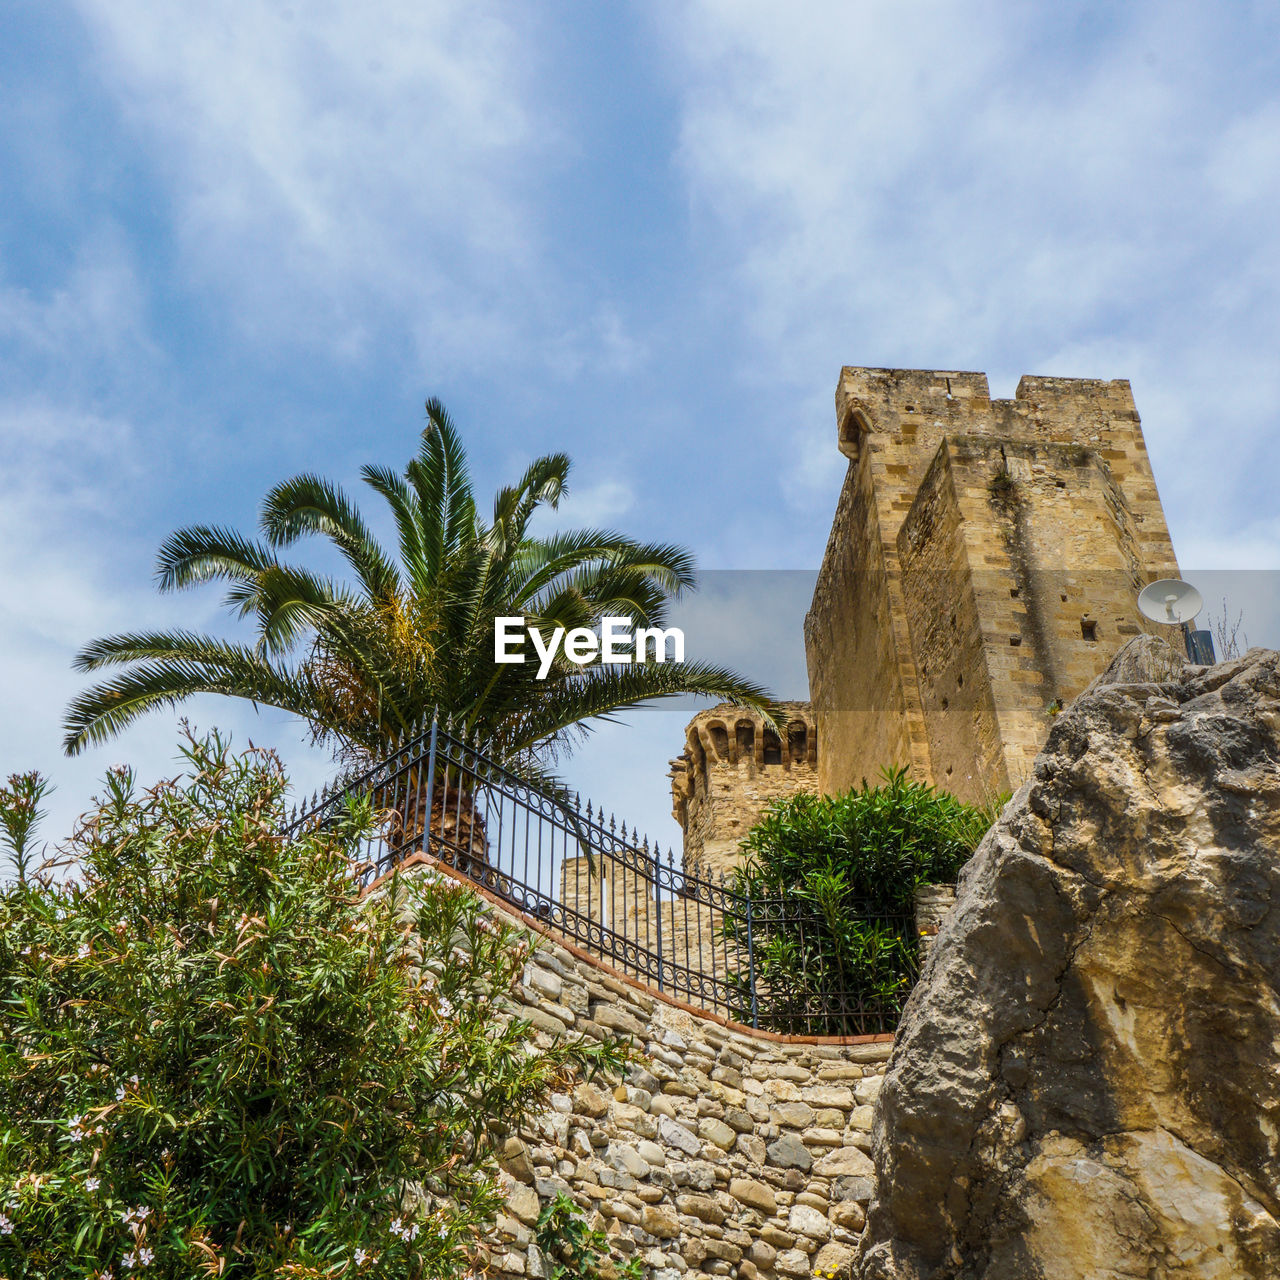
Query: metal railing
[692, 935]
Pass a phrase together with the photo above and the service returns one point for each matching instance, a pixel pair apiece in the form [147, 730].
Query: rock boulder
[1086, 1082]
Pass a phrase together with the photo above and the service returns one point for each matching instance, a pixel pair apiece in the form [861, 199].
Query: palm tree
[363, 661]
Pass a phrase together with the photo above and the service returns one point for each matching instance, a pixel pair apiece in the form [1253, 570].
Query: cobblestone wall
[721, 1152]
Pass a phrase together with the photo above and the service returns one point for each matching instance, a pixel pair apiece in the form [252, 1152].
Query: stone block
[754, 1195]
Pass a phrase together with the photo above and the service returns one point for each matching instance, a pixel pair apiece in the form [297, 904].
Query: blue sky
[241, 242]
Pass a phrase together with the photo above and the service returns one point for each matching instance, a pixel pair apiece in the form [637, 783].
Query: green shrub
[841, 955]
[572, 1250]
[214, 1062]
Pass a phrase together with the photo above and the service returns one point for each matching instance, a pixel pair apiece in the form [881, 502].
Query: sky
[241, 242]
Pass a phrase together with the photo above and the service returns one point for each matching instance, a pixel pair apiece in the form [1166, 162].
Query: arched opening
[745, 732]
[772, 747]
[798, 743]
[719, 740]
[853, 430]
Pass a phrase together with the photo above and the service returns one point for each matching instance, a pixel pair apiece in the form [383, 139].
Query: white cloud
[95, 313]
[343, 176]
[601, 504]
[974, 187]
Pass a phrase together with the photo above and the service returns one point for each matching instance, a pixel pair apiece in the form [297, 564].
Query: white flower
[145, 1255]
[6, 1226]
[120, 1094]
[82, 950]
[91, 1183]
[360, 1257]
[446, 1008]
[136, 1218]
[129, 1261]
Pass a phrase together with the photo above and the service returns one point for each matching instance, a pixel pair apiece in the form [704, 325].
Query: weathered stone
[676, 1135]
[516, 1161]
[1076, 1085]
[590, 1102]
[755, 1195]
[823, 1138]
[788, 1152]
[845, 1162]
[791, 1262]
[807, 1221]
[793, 1115]
[660, 1221]
[859, 1189]
[862, 1118]
[549, 984]
[700, 1248]
[651, 1153]
[617, 1019]
[849, 1214]
[830, 1096]
[717, 1132]
[523, 1203]
[703, 1207]
[627, 1160]
[833, 1260]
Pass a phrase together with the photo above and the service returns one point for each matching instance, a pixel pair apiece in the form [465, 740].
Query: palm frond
[207, 553]
[441, 479]
[199, 664]
[310, 504]
[408, 517]
[544, 483]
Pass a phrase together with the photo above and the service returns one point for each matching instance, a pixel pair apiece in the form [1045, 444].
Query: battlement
[733, 765]
[906, 404]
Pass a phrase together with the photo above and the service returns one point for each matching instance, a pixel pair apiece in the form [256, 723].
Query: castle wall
[939, 590]
[851, 627]
[1042, 517]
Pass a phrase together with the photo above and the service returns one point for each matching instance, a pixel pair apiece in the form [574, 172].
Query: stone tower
[983, 567]
[731, 768]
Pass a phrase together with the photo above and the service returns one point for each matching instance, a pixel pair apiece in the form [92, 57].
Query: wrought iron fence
[586, 878]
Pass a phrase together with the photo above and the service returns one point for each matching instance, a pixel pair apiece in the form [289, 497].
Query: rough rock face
[1086, 1082]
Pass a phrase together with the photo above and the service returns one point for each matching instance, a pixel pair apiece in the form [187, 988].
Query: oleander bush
[216, 1059]
[839, 953]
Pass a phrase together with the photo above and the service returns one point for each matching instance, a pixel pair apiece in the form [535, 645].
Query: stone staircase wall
[721, 1153]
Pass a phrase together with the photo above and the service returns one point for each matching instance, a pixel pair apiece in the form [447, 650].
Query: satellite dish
[1170, 601]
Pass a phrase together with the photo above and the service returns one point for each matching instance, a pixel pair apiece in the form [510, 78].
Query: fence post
[431, 777]
[751, 966]
[657, 905]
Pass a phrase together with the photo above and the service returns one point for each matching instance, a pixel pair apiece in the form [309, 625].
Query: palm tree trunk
[455, 832]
